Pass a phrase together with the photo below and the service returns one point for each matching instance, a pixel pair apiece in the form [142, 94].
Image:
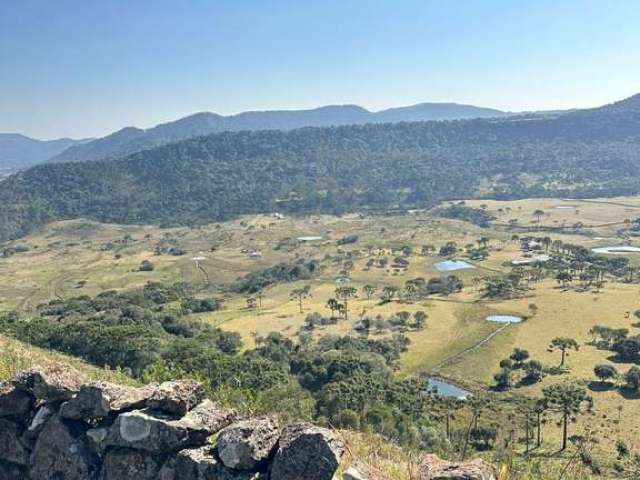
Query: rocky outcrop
[434, 468]
[306, 451]
[49, 384]
[97, 400]
[177, 397]
[248, 444]
[54, 425]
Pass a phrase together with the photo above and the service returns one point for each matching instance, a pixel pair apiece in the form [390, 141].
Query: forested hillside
[131, 140]
[584, 153]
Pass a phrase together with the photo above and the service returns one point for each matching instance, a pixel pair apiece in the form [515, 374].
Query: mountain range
[380, 166]
[18, 152]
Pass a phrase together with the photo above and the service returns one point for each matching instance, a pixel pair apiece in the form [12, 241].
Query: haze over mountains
[18, 151]
[22, 152]
[584, 153]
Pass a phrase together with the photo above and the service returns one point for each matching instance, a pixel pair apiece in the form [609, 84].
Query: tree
[369, 291]
[564, 278]
[344, 294]
[251, 303]
[632, 379]
[420, 319]
[538, 214]
[519, 356]
[532, 372]
[563, 344]
[570, 400]
[146, 266]
[300, 294]
[388, 292]
[605, 372]
[503, 379]
[334, 306]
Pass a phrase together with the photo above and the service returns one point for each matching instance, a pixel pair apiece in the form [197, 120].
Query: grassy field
[82, 257]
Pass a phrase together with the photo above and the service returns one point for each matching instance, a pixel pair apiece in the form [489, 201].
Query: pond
[504, 318]
[447, 389]
[565, 207]
[452, 265]
[309, 238]
[619, 250]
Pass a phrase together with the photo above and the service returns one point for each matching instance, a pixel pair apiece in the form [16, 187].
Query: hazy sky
[88, 67]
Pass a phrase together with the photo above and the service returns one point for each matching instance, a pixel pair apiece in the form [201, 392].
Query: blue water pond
[452, 265]
[504, 318]
[447, 389]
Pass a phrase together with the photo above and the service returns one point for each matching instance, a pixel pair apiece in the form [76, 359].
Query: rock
[38, 423]
[124, 464]
[96, 438]
[177, 397]
[352, 473]
[434, 468]
[61, 453]
[14, 402]
[10, 471]
[201, 464]
[151, 430]
[247, 444]
[51, 384]
[306, 451]
[11, 449]
[97, 400]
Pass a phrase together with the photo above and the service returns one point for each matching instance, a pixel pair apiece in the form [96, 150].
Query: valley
[385, 268]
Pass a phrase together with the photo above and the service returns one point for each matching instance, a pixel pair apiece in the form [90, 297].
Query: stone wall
[55, 425]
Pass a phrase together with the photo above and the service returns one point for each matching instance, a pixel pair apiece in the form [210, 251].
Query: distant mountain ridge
[377, 166]
[131, 140]
[19, 151]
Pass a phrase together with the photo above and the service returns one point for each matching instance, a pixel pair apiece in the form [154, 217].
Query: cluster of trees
[120, 330]
[460, 211]
[283, 272]
[518, 361]
[399, 321]
[335, 169]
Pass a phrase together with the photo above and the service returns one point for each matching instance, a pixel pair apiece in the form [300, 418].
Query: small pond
[619, 250]
[504, 318]
[447, 389]
[452, 265]
[565, 207]
[309, 238]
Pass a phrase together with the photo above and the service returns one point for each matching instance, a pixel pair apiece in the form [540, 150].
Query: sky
[81, 68]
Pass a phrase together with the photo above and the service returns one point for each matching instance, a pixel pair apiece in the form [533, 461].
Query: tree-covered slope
[585, 153]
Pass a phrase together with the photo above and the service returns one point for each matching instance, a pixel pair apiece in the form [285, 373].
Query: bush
[146, 266]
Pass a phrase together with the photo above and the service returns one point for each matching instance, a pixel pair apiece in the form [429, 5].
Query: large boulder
[435, 468]
[177, 397]
[14, 402]
[306, 451]
[97, 400]
[50, 384]
[11, 449]
[61, 452]
[125, 464]
[152, 430]
[202, 464]
[248, 444]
